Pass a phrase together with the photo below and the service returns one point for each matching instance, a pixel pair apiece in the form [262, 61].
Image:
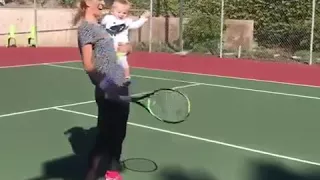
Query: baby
[118, 25]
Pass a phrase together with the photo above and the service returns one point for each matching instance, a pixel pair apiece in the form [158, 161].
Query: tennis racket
[166, 105]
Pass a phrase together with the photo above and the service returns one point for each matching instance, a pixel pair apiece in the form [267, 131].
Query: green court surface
[237, 130]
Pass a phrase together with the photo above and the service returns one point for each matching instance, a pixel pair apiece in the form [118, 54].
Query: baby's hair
[123, 2]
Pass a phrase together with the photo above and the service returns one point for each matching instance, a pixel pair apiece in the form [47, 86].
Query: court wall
[55, 27]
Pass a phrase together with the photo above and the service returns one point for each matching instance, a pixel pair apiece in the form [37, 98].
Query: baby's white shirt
[123, 37]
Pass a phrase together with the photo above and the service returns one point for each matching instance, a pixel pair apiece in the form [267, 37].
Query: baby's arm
[138, 23]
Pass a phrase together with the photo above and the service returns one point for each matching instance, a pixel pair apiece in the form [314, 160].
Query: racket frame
[137, 100]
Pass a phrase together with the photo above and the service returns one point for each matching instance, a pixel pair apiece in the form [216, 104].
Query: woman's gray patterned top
[104, 54]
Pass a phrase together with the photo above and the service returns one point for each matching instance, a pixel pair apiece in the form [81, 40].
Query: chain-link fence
[142, 36]
[163, 28]
[277, 30]
[202, 26]
[264, 30]
[315, 36]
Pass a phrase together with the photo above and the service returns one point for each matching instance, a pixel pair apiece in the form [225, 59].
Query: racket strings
[169, 105]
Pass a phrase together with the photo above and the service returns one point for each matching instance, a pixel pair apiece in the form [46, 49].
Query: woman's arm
[88, 65]
[85, 41]
[98, 79]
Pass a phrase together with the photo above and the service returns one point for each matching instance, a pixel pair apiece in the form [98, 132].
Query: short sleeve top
[104, 54]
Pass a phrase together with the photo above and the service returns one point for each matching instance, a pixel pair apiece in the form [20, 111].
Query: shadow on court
[74, 167]
[180, 173]
[264, 170]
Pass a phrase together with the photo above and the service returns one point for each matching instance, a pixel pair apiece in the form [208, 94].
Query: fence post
[150, 27]
[181, 24]
[221, 28]
[312, 31]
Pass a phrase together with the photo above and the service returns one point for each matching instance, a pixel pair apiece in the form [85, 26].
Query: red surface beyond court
[260, 70]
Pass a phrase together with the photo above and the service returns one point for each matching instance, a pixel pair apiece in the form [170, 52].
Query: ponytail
[81, 9]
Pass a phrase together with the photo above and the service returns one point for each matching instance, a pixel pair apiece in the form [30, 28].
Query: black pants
[112, 127]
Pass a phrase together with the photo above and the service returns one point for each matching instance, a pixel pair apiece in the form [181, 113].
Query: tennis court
[237, 130]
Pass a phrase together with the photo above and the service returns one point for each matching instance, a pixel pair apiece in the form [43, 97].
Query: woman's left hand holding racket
[112, 90]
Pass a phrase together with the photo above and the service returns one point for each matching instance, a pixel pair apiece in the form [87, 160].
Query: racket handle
[120, 99]
[125, 98]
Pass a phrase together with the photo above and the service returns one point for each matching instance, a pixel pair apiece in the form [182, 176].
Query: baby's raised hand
[146, 14]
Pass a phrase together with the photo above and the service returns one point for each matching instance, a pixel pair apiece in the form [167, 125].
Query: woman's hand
[124, 48]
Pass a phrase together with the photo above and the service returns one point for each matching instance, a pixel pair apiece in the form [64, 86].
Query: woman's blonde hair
[81, 9]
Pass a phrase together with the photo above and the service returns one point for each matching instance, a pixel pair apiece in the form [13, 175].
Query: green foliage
[316, 36]
[167, 8]
[204, 36]
[140, 4]
[68, 3]
[202, 27]
[160, 7]
[197, 8]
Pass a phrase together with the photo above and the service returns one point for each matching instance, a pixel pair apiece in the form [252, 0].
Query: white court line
[202, 139]
[228, 77]
[62, 66]
[37, 64]
[207, 84]
[82, 103]
[44, 109]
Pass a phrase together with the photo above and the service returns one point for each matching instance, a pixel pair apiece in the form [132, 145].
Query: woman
[99, 61]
